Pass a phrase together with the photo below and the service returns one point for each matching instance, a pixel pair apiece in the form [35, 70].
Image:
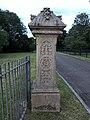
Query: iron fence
[14, 89]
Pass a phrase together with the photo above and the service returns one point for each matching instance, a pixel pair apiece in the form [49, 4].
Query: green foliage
[82, 19]
[32, 44]
[86, 34]
[79, 35]
[12, 24]
[60, 40]
[14, 32]
[3, 38]
[69, 42]
[73, 43]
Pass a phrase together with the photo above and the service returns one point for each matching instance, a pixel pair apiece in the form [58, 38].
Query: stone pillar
[46, 27]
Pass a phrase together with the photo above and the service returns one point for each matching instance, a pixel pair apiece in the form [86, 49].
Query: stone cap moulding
[46, 20]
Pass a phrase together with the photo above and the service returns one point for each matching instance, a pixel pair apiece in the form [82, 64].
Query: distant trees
[32, 43]
[60, 40]
[3, 38]
[13, 36]
[78, 36]
[12, 24]
[82, 19]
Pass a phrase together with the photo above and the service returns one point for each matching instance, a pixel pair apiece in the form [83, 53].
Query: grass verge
[76, 56]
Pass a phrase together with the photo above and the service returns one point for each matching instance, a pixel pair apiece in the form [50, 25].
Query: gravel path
[77, 73]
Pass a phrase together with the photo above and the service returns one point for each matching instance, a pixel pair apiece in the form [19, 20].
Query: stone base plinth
[46, 100]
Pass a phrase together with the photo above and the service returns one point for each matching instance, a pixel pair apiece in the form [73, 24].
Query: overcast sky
[67, 8]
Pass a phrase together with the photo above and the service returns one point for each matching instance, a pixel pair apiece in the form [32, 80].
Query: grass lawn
[71, 107]
[15, 56]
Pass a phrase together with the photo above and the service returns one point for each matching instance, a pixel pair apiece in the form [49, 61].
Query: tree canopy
[82, 19]
[11, 23]
[13, 34]
[60, 40]
[78, 36]
[3, 38]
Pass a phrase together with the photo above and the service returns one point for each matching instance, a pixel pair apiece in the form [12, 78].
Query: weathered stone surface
[46, 101]
[46, 45]
[46, 27]
[46, 18]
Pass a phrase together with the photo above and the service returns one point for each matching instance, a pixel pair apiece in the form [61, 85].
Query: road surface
[77, 74]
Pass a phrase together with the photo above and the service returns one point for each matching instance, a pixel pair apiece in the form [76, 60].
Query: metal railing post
[28, 78]
[1, 91]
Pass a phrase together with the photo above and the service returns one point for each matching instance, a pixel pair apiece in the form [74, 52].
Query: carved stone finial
[60, 17]
[46, 18]
[47, 13]
[32, 17]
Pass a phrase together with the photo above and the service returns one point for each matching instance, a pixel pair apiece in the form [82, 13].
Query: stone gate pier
[46, 27]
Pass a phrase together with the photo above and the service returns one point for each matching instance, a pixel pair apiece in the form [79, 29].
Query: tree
[69, 42]
[3, 38]
[32, 43]
[79, 35]
[82, 19]
[22, 43]
[60, 40]
[75, 44]
[12, 24]
[86, 35]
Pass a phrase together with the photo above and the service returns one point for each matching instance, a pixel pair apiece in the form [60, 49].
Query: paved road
[77, 73]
